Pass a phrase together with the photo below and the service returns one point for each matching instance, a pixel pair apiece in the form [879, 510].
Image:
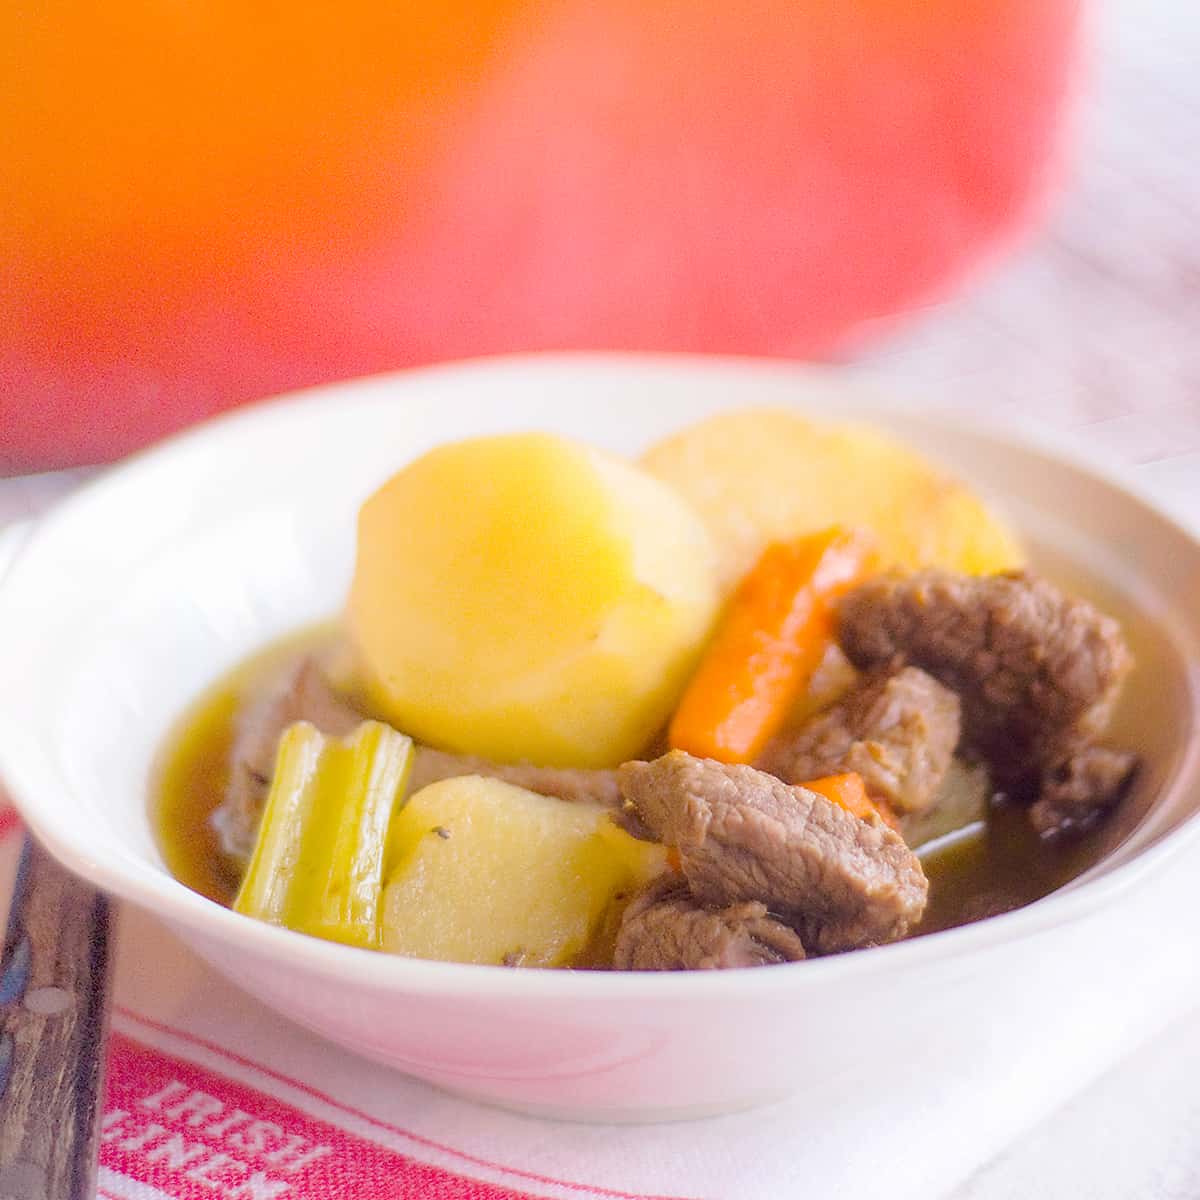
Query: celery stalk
[318, 864]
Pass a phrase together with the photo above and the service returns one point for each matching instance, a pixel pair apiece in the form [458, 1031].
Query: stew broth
[988, 868]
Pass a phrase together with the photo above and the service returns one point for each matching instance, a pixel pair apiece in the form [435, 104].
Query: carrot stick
[849, 792]
[770, 641]
[887, 812]
[846, 791]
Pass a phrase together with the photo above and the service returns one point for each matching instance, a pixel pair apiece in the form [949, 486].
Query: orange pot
[206, 202]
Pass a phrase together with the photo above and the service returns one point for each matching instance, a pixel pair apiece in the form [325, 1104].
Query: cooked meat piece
[580, 784]
[898, 730]
[664, 929]
[304, 695]
[576, 784]
[743, 835]
[1077, 791]
[1035, 669]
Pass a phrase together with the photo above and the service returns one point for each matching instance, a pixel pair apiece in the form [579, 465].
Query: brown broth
[989, 868]
[190, 784]
[995, 866]
[193, 772]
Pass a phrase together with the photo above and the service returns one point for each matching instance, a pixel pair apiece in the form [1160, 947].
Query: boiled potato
[526, 598]
[761, 475]
[961, 801]
[484, 872]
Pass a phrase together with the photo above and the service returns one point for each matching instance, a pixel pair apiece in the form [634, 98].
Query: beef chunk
[1038, 672]
[1079, 789]
[1035, 669]
[576, 784]
[303, 695]
[664, 929]
[579, 784]
[898, 730]
[743, 835]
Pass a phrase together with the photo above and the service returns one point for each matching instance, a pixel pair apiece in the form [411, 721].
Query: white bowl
[150, 582]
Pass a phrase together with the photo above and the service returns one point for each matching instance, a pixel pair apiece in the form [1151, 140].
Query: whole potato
[526, 598]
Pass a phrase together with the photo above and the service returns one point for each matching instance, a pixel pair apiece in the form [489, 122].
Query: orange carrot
[887, 812]
[849, 792]
[846, 791]
[770, 641]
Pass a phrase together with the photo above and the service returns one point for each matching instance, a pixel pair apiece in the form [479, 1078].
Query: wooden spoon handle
[54, 978]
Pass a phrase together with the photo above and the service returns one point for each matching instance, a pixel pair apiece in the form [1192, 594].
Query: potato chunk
[763, 475]
[484, 872]
[525, 598]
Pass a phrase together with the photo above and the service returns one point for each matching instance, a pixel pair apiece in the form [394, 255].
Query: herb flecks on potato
[485, 872]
